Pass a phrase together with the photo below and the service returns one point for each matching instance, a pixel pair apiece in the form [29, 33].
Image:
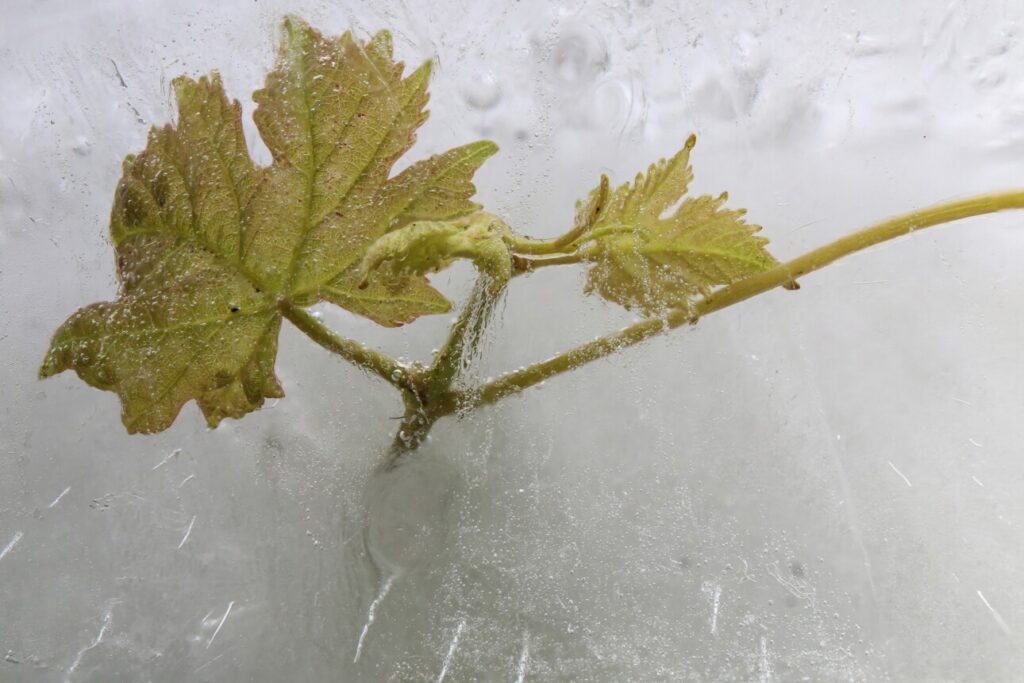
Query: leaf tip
[421, 76]
[56, 359]
[213, 420]
[383, 42]
[488, 147]
[691, 141]
[48, 368]
[295, 34]
[292, 23]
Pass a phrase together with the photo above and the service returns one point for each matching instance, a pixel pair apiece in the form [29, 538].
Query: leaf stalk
[367, 359]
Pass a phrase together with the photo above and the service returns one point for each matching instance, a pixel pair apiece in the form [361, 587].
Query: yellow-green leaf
[390, 303]
[653, 250]
[336, 115]
[208, 245]
[190, 328]
[436, 189]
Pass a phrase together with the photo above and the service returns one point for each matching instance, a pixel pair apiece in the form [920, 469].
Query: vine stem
[463, 337]
[367, 359]
[541, 247]
[522, 265]
[782, 275]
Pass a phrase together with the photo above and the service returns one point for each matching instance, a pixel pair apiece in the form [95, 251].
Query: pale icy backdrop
[823, 485]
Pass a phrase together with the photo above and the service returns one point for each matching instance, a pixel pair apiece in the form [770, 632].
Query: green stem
[430, 388]
[617, 229]
[780, 276]
[467, 330]
[367, 359]
[521, 264]
[535, 247]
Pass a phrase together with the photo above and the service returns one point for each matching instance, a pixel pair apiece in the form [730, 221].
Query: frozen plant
[213, 251]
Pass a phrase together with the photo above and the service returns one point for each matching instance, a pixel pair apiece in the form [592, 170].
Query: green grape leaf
[651, 249]
[208, 245]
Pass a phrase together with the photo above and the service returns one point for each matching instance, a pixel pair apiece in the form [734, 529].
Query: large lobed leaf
[651, 257]
[208, 244]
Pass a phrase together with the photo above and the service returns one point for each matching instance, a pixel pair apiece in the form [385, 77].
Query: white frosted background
[820, 485]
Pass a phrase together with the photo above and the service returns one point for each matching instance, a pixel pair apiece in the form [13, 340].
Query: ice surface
[817, 485]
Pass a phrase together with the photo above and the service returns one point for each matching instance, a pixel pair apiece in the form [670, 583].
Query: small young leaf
[430, 246]
[417, 249]
[646, 260]
[208, 246]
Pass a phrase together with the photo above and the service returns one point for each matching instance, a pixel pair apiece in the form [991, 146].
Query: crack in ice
[524, 659]
[107, 617]
[713, 592]
[902, 476]
[1003, 626]
[371, 614]
[765, 662]
[451, 651]
[222, 620]
[166, 460]
[10, 546]
[57, 499]
[188, 532]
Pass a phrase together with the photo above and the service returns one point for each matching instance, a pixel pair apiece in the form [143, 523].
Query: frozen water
[815, 485]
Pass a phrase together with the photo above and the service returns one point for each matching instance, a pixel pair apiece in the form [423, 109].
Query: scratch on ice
[765, 662]
[163, 462]
[57, 499]
[524, 659]
[107, 617]
[995, 615]
[451, 651]
[10, 546]
[902, 476]
[713, 592]
[221, 624]
[188, 532]
[371, 614]
[714, 609]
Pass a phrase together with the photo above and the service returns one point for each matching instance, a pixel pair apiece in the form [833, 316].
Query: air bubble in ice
[482, 92]
[82, 146]
[578, 58]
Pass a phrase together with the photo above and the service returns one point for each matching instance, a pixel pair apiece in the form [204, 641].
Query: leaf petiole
[370, 360]
[522, 264]
[569, 242]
